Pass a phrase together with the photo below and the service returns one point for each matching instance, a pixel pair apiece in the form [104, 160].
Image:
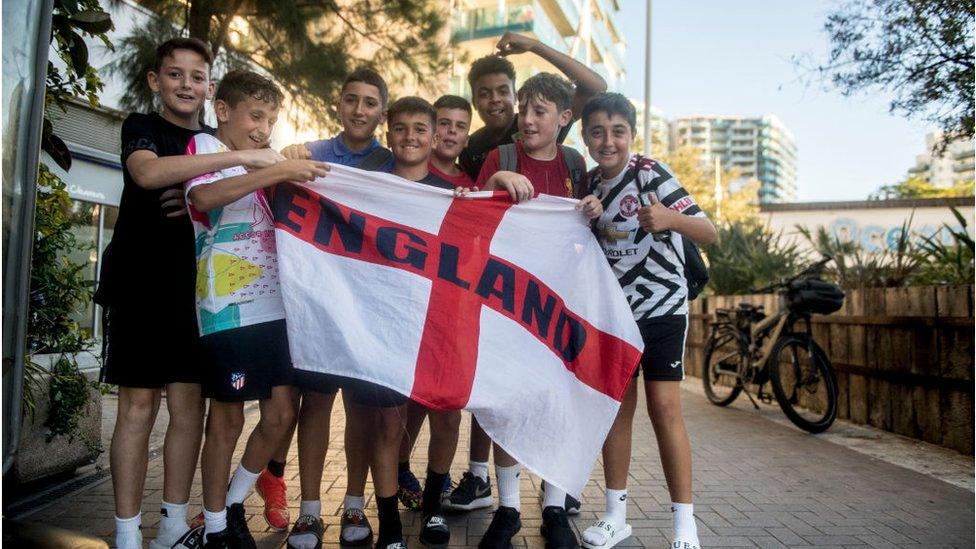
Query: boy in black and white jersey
[646, 215]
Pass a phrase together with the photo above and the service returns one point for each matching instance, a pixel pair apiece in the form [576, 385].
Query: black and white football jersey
[649, 269]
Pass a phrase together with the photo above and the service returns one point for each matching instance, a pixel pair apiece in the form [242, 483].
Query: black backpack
[696, 272]
[508, 161]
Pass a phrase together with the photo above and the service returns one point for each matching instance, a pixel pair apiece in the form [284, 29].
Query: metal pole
[647, 83]
[718, 188]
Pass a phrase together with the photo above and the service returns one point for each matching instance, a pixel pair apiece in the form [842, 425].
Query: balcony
[604, 42]
[527, 17]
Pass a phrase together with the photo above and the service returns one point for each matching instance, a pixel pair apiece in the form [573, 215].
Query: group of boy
[198, 310]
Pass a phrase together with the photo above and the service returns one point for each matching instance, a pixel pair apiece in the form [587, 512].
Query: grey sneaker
[471, 493]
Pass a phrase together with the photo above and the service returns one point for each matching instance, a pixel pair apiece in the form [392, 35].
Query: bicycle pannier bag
[815, 296]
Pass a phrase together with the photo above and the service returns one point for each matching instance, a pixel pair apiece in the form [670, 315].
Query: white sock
[479, 469]
[508, 486]
[554, 497]
[127, 533]
[353, 534]
[172, 522]
[241, 485]
[310, 507]
[616, 506]
[683, 518]
[354, 502]
[306, 540]
[214, 521]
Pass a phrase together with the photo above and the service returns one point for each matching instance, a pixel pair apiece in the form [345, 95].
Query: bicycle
[747, 347]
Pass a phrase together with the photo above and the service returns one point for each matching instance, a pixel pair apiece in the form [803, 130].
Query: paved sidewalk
[758, 483]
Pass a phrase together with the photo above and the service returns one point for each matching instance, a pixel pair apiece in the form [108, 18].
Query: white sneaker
[604, 534]
[191, 539]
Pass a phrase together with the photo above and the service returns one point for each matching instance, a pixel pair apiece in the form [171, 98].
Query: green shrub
[747, 256]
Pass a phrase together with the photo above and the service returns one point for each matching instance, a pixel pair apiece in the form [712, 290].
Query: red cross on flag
[509, 311]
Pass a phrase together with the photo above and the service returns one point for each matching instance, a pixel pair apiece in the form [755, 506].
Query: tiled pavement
[758, 483]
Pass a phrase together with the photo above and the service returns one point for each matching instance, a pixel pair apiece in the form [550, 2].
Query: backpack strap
[375, 160]
[577, 170]
[507, 158]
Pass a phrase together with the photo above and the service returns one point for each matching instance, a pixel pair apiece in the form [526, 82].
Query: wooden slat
[882, 320]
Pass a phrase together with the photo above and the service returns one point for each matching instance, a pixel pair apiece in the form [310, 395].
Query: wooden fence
[903, 357]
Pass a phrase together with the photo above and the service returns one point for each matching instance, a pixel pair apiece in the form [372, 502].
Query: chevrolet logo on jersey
[610, 233]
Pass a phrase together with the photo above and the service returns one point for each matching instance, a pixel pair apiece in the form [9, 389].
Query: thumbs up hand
[656, 217]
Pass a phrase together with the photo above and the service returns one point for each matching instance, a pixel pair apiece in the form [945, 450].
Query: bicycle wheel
[723, 362]
[804, 385]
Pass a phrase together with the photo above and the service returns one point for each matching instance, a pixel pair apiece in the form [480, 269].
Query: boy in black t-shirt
[147, 292]
[492, 81]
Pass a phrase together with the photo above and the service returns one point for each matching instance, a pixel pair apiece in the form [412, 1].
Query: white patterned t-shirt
[237, 261]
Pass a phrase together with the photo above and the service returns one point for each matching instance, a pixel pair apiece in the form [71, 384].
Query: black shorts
[358, 391]
[372, 395]
[245, 363]
[317, 382]
[151, 346]
[664, 348]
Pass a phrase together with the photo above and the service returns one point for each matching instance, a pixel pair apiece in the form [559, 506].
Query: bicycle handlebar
[813, 268]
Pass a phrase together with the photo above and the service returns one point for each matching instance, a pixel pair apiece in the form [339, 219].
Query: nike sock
[127, 533]
[172, 522]
[241, 485]
[431, 502]
[214, 521]
[310, 507]
[276, 468]
[479, 469]
[554, 497]
[508, 486]
[617, 506]
[683, 518]
[391, 530]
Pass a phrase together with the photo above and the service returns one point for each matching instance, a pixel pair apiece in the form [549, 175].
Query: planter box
[36, 457]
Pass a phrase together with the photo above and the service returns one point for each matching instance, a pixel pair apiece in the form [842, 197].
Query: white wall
[874, 228]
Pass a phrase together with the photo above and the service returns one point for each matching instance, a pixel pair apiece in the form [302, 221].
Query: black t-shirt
[151, 257]
[481, 142]
[434, 180]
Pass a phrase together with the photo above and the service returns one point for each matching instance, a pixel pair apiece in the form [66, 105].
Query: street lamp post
[647, 83]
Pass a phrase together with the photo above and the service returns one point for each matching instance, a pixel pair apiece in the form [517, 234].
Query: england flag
[507, 310]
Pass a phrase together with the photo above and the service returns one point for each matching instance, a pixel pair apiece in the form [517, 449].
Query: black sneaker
[556, 529]
[237, 526]
[504, 525]
[307, 526]
[435, 532]
[471, 493]
[220, 540]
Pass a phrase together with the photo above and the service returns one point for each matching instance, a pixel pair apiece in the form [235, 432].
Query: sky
[718, 57]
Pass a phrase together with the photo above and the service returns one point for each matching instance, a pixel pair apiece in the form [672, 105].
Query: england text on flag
[510, 311]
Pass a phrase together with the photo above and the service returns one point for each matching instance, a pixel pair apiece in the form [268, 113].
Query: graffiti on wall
[876, 238]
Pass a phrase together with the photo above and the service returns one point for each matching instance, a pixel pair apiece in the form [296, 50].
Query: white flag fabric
[507, 310]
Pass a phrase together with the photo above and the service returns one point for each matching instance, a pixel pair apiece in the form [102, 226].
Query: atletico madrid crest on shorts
[237, 380]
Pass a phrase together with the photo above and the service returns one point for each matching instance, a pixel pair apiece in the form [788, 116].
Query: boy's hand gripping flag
[507, 310]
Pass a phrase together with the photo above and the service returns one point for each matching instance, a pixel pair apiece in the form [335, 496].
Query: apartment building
[761, 148]
[587, 30]
[956, 165]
